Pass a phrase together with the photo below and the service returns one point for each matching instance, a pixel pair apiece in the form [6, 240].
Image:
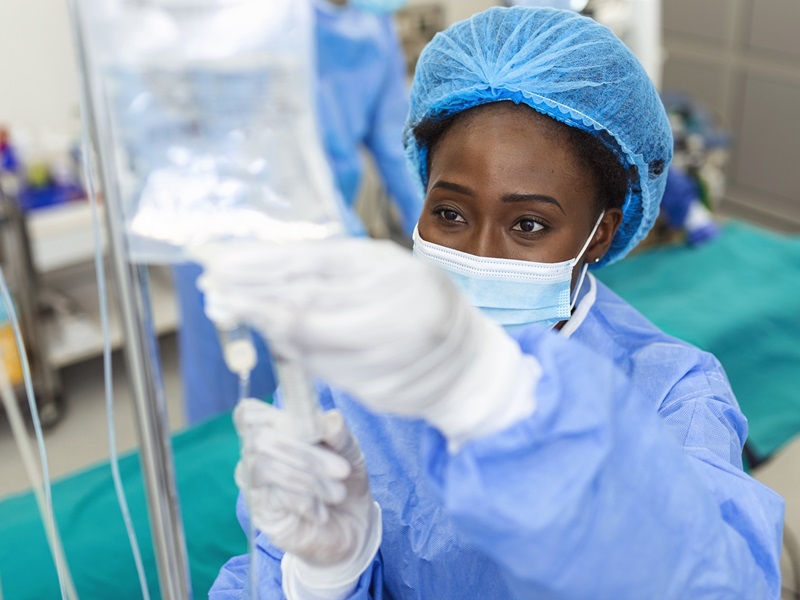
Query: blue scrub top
[362, 101]
[626, 482]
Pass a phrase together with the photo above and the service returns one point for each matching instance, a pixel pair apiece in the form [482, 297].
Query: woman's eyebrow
[533, 198]
[453, 187]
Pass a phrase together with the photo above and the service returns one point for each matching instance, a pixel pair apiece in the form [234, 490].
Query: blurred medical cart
[23, 281]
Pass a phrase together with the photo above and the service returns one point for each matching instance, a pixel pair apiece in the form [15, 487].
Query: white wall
[456, 10]
[38, 84]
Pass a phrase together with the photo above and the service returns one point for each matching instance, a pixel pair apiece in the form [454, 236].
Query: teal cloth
[93, 532]
[736, 297]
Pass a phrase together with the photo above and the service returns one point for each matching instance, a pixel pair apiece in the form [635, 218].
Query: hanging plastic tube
[107, 371]
[203, 112]
[91, 189]
[39, 480]
[141, 354]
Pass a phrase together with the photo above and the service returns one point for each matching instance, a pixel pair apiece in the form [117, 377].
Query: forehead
[512, 146]
[506, 110]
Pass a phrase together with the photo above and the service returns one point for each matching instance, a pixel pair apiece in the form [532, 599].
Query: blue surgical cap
[562, 65]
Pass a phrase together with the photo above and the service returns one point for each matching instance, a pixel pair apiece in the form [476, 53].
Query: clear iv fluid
[219, 150]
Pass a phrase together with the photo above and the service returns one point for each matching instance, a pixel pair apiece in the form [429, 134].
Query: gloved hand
[367, 317]
[312, 500]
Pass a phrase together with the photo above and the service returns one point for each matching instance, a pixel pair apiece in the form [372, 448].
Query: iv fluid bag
[205, 110]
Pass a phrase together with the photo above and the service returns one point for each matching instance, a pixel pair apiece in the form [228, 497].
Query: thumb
[338, 437]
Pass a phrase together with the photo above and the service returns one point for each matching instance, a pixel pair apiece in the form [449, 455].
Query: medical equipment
[210, 122]
[202, 114]
[87, 160]
[107, 372]
[240, 357]
[40, 480]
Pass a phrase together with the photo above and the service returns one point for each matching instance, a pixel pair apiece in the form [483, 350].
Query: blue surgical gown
[626, 482]
[362, 101]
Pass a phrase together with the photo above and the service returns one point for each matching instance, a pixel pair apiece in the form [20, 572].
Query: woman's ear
[605, 233]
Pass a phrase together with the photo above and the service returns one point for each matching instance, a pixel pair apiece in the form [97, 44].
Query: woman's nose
[482, 241]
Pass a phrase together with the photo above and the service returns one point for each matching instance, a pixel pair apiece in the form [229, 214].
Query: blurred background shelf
[62, 247]
[61, 235]
[49, 256]
[74, 332]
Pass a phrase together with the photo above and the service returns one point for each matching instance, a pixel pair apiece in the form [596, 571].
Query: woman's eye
[450, 215]
[528, 226]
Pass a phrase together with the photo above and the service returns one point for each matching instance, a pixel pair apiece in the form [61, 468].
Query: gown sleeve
[598, 495]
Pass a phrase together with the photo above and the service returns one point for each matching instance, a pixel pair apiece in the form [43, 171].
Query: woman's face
[503, 184]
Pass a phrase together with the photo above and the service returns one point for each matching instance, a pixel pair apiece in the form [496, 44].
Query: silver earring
[597, 260]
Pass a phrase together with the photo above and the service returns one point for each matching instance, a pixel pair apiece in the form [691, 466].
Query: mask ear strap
[591, 236]
[585, 267]
[574, 299]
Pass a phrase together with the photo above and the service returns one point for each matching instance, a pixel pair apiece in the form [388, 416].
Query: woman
[574, 452]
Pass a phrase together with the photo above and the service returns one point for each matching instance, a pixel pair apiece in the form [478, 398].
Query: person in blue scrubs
[499, 424]
[362, 102]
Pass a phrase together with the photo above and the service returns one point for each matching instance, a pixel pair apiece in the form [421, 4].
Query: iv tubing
[107, 374]
[240, 358]
[299, 399]
[163, 505]
[244, 391]
[44, 500]
[89, 176]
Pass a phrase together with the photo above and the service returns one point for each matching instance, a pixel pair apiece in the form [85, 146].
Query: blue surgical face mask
[378, 6]
[513, 293]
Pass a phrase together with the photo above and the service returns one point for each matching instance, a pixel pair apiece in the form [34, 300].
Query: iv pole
[141, 354]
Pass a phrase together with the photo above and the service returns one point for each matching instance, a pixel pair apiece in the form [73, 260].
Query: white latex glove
[312, 500]
[365, 316]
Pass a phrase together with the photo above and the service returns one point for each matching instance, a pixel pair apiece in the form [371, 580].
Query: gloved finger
[301, 281]
[307, 507]
[278, 261]
[297, 454]
[291, 529]
[288, 533]
[234, 306]
[270, 463]
[216, 257]
[295, 271]
[339, 438]
[266, 431]
[277, 457]
[270, 474]
[281, 526]
[352, 328]
[275, 501]
[253, 415]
